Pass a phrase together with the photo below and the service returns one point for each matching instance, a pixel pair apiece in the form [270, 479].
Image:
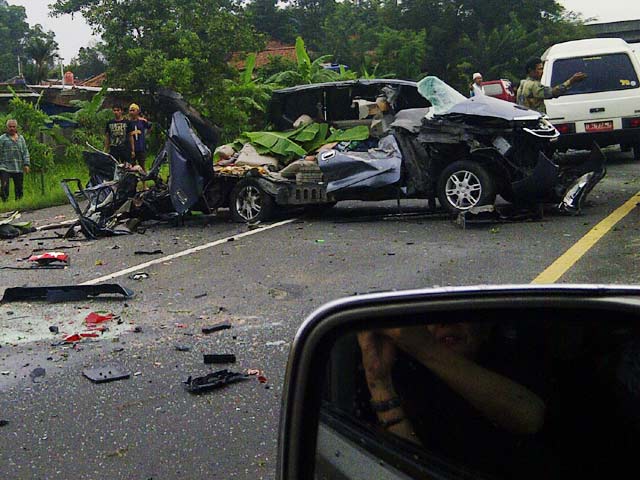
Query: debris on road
[276, 343]
[54, 329]
[148, 252]
[58, 259]
[213, 380]
[38, 372]
[201, 295]
[107, 373]
[139, 276]
[183, 348]
[212, 358]
[4, 423]
[66, 293]
[118, 452]
[95, 318]
[216, 328]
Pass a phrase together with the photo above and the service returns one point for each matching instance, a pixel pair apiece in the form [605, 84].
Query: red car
[501, 89]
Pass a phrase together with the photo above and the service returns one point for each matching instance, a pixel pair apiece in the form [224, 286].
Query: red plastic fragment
[89, 334]
[94, 318]
[49, 257]
[74, 337]
[262, 379]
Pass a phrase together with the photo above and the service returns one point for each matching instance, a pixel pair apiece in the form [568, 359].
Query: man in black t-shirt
[116, 138]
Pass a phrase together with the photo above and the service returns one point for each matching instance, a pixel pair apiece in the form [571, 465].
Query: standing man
[116, 140]
[14, 161]
[476, 87]
[531, 92]
[138, 126]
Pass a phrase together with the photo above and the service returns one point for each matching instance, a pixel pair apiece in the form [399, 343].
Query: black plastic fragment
[54, 329]
[4, 423]
[65, 293]
[216, 328]
[148, 252]
[108, 373]
[211, 358]
[213, 380]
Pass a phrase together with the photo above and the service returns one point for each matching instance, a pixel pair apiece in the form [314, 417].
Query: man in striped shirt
[14, 161]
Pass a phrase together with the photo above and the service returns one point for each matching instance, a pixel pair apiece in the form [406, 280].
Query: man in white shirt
[476, 87]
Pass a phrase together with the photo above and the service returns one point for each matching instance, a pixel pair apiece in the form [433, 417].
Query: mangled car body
[368, 140]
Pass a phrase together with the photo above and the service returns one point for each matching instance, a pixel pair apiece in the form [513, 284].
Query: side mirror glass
[540, 384]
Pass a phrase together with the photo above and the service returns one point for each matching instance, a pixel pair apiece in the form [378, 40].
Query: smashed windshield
[441, 95]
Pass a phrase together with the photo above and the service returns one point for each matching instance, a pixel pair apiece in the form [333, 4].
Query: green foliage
[306, 71]
[402, 52]
[89, 62]
[13, 32]
[38, 131]
[41, 49]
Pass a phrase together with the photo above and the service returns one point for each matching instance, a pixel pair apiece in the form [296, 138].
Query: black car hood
[484, 106]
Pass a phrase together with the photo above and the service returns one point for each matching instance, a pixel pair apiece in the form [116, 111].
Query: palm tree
[42, 50]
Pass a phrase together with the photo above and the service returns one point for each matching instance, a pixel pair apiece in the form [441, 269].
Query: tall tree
[41, 49]
[273, 21]
[13, 30]
[89, 62]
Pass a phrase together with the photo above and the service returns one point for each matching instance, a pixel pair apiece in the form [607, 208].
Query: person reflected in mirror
[440, 386]
[532, 94]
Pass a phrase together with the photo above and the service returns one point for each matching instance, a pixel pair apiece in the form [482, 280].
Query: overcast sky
[72, 34]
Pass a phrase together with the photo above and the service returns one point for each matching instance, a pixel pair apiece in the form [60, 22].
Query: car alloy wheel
[249, 203]
[463, 190]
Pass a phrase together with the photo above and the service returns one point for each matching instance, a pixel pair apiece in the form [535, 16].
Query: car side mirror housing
[420, 384]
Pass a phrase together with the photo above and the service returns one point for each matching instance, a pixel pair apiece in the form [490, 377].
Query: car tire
[463, 185]
[249, 203]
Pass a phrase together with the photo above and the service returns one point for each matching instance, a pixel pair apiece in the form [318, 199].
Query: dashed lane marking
[184, 253]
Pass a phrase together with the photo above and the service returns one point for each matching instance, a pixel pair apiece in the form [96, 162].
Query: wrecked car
[354, 140]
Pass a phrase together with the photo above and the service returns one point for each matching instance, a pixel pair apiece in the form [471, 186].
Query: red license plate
[599, 126]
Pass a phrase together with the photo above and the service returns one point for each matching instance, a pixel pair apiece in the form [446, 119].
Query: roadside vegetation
[191, 46]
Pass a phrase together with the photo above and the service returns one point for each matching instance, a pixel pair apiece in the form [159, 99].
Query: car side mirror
[489, 382]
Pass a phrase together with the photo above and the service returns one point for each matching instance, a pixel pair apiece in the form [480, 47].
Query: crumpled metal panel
[377, 168]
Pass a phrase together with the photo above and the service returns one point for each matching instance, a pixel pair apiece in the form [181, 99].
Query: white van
[606, 106]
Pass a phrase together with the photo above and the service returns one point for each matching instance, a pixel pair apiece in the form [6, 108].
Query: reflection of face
[462, 338]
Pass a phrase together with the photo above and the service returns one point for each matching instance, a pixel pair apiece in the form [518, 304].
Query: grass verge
[53, 194]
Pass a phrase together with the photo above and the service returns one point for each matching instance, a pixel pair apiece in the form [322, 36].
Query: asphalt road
[62, 426]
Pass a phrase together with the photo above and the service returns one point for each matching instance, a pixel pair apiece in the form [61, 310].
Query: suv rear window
[606, 73]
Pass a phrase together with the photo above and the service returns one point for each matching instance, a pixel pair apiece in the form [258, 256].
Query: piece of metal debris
[213, 380]
[148, 252]
[216, 328]
[139, 276]
[212, 358]
[65, 293]
[107, 373]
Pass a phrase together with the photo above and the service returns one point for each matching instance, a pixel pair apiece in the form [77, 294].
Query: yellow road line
[567, 260]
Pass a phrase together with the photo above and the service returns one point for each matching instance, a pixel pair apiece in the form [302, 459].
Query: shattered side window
[441, 95]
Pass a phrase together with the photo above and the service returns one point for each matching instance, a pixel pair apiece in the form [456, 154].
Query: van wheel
[250, 203]
[464, 185]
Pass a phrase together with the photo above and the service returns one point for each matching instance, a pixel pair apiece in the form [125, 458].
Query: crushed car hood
[484, 106]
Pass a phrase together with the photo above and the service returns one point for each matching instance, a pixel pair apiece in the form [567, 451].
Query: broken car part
[139, 276]
[211, 358]
[213, 380]
[108, 373]
[216, 328]
[64, 293]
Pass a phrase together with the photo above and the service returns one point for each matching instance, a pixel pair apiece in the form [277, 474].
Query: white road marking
[184, 253]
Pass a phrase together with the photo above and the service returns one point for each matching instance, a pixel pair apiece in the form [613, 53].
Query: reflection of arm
[378, 357]
[501, 400]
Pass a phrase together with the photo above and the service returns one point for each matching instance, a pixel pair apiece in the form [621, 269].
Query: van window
[606, 73]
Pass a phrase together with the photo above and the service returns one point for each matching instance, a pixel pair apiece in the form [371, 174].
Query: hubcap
[463, 190]
[249, 203]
